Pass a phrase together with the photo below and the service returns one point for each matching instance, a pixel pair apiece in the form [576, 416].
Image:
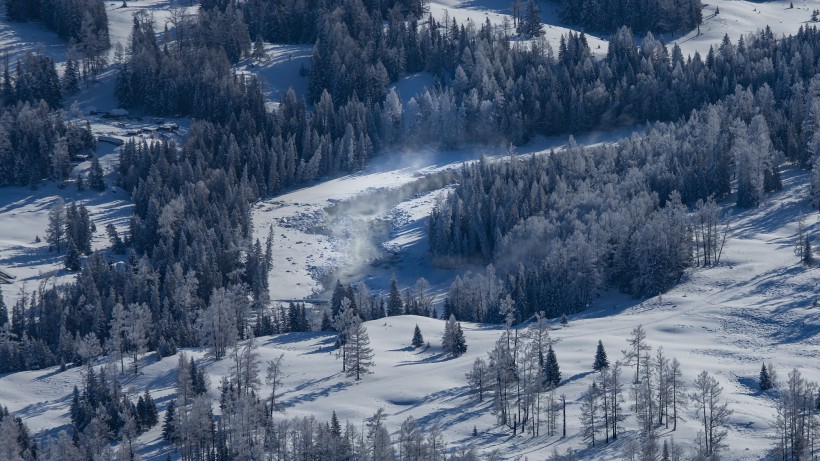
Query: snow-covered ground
[756, 306]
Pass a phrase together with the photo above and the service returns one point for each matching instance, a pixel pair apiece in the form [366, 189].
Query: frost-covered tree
[453, 341]
[218, 323]
[712, 411]
[55, 232]
[273, 378]
[96, 180]
[358, 353]
[478, 377]
[138, 328]
[589, 413]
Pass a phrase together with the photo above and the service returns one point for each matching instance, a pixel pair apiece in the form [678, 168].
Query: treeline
[559, 228]
[639, 15]
[564, 212]
[35, 141]
[283, 21]
[84, 22]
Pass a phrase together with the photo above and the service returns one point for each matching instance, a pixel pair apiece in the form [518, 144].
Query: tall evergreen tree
[394, 302]
[601, 361]
[72, 257]
[95, 176]
[418, 339]
[764, 382]
[552, 373]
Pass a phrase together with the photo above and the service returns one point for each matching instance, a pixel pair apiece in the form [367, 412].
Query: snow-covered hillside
[756, 306]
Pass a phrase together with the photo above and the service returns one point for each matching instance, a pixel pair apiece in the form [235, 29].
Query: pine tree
[4, 311]
[327, 324]
[169, 426]
[564, 319]
[418, 339]
[95, 176]
[335, 427]
[765, 381]
[460, 341]
[552, 373]
[394, 303]
[601, 361]
[72, 257]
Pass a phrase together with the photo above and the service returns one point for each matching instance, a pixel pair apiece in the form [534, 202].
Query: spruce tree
[4, 311]
[72, 257]
[765, 380]
[335, 427]
[418, 339]
[394, 303]
[552, 373]
[460, 341]
[601, 361]
[327, 324]
[168, 426]
[564, 319]
[95, 176]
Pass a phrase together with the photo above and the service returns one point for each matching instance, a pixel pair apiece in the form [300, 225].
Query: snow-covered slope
[756, 306]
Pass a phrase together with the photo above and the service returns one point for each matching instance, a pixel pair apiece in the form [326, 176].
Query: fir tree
[95, 176]
[72, 257]
[601, 361]
[335, 427]
[169, 426]
[765, 381]
[394, 303]
[460, 341]
[327, 324]
[4, 311]
[418, 339]
[564, 319]
[552, 373]
[80, 183]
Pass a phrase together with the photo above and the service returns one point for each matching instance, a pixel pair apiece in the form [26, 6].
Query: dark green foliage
[394, 303]
[651, 15]
[327, 324]
[601, 360]
[530, 25]
[72, 257]
[552, 373]
[95, 176]
[418, 339]
[764, 381]
[168, 426]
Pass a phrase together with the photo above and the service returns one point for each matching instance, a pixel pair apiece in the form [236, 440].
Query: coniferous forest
[550, 232]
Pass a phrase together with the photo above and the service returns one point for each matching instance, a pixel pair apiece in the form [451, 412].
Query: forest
[553, 231]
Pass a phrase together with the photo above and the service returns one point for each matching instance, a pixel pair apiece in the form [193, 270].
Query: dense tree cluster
[103, 402]
[35, 141]
[82, 21]
[639, 15]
